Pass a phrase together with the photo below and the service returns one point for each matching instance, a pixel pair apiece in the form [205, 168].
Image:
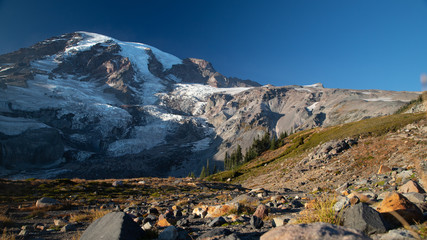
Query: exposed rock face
[365, 219]
[118, 109]
[32, 148]
[113, 226]
[193, 70]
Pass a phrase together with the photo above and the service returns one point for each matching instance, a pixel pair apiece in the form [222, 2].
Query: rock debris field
[185, 208]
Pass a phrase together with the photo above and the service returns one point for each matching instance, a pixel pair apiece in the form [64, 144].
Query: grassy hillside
[298, 143]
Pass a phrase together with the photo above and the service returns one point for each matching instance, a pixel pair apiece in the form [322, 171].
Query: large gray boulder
[365, 219]
[313, 231]
[47, 202]
[113, 226]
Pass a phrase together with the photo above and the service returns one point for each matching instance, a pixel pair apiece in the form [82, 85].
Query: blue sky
[356, 44]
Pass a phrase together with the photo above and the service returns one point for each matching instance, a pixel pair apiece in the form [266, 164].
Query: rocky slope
[97, 107]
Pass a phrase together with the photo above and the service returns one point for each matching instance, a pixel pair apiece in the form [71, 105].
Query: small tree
[215, 169]
[203, 173]
[274, 144]
[208, 171]
[283, 135]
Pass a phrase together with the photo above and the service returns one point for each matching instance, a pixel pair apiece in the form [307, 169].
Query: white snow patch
[137, 53]
[198, 108]
[83, 156]
[4, 69]
[303, 89]
[312, 106]
[382, 99]
[201, 145]
[125, 146]
[86, 43]
[202, 91]
[162, 114]
[85, 100]
[16, 126]
[46, 64]
[316, 85]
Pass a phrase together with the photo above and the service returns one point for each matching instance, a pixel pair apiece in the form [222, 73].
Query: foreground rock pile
[174, 209]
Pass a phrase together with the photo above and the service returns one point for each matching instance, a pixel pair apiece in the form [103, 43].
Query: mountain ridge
[128, 109]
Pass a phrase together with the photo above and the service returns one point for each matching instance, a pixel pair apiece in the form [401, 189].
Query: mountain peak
[140, 111]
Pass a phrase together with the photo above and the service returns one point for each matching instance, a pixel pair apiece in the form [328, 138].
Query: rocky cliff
[91, 106]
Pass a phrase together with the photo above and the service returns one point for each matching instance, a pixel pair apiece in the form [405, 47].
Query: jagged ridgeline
[90, 106]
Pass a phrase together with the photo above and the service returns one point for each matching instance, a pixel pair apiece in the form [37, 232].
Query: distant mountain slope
[329, 157]
[87, 105]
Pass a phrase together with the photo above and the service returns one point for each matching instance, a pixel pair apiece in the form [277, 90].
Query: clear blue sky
[357, 44]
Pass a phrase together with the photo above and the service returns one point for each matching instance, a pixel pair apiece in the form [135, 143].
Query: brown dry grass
[88, 216]
[5, 221]
[321, 210]
[6, 235]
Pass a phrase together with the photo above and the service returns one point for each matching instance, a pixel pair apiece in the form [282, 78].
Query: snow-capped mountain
[93, 106]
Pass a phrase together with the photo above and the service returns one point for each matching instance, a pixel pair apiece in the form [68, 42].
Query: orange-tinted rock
[384, 169]
[261, 211]
[395, 205]
[411, 186]
[362, 197]
[166, 220]
[354, 200]
[345, 192]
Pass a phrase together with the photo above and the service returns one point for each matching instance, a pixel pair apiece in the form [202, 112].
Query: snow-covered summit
[136, 52]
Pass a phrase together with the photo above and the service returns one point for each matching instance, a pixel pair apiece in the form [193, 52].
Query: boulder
[414, 197]
[147, 226]
[117, 183]
[313, 231]
[256, 222]
[296, 204]
[280, 221]
[404, 175]
[153, 211]
[217, 233]
[166, 220]
[395, 205]
[68, 228]
[60, 222]
[364, 218]
[342, 203]
[113, 226]
[246, 199]
[47, 202]
[363, 197]
[261, 211]
[342, 188]
[411, 186]
[170, 233]
[397, 234]
[217, 222]
[200, 211]
[384, 169]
